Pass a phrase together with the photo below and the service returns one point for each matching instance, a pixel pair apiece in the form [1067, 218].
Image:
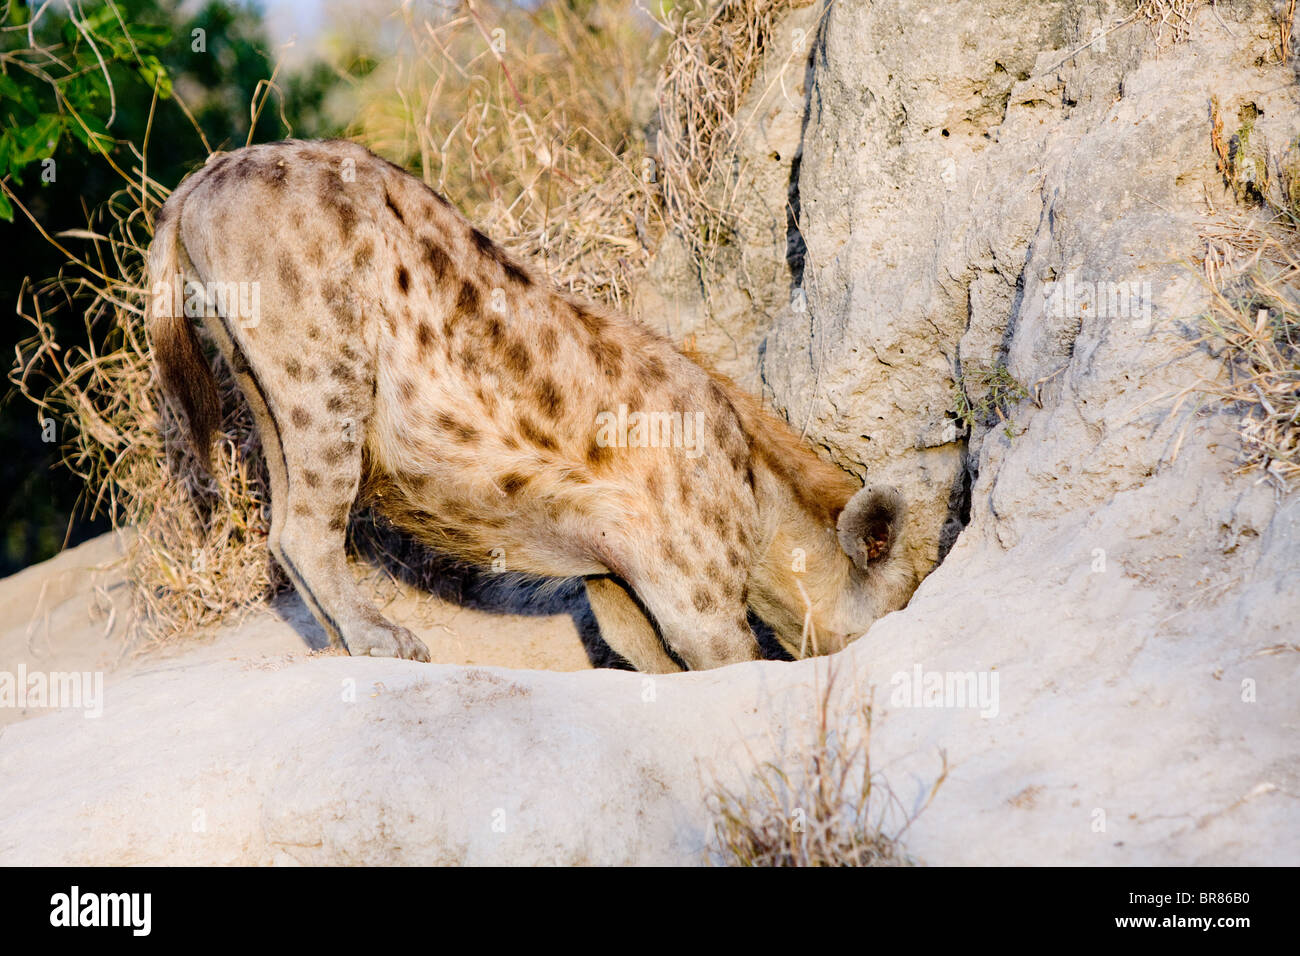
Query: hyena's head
[876, 579]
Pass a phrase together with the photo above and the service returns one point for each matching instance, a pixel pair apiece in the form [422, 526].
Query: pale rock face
[1136, 599]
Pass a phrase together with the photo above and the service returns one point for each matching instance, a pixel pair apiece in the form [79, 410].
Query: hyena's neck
[803, 569]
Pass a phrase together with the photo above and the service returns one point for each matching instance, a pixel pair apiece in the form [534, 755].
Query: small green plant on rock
[997, 390]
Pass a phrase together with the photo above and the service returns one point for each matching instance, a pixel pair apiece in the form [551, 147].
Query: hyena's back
[396, 346]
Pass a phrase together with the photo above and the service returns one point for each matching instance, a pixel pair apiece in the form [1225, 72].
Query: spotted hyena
[397, 355]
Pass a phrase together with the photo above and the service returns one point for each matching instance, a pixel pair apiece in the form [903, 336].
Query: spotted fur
[402, 357]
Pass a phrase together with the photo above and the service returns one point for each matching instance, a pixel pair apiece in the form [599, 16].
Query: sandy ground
[71, 613]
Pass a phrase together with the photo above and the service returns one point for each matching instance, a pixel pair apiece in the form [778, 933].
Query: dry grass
[822, 804]
[533, 123]
[1252, 268]
[1284, 18]
[1168, 16]
[714, 56]
[200, 553]
[542, 140]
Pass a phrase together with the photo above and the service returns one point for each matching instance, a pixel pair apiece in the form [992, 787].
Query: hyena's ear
[871, 525]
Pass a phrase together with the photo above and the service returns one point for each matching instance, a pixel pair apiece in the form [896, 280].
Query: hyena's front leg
[312, 440]
[702, 617]
[626, 629]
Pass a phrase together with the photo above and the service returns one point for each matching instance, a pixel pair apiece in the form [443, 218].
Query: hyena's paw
[386, 640]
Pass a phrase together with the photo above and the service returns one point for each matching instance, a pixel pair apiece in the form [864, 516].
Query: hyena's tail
[180, 365]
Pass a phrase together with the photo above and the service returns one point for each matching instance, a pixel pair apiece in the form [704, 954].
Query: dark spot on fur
[342, 372]
[548, 397]
[218, 171]
[517, 358]
[403, 279]
[515, 272]
[340, 520]
[531, 431]
[347, 214]
[439, 261]
[702, 600]
[392, 206]
[337, 454]
[311, 478]
[512, 482]
[548, 341]
[289, 274]
[461, 431]
[677, 559]
[598, 454]
[333, 196]
[406, 391]
[364, 252]
[340, 305]
[335, 403]
[468, 301]
[593, 323]
[300, 417]
[607, 354]
[293, 368]
[275, 174]
[653, 371]
[423, 336]
[722, 430]
[302, 510]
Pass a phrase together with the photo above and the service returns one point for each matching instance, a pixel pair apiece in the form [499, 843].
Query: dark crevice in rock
[1017, 301]
[958, 504]
[796, 250]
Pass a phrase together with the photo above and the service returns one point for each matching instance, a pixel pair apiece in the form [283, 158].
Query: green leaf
[19, 93]
[153, 72]
[38, 140]
[94, 136]
[6, 208]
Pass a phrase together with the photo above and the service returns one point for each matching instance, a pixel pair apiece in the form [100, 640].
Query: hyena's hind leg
[312, 440]
[626, 629]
